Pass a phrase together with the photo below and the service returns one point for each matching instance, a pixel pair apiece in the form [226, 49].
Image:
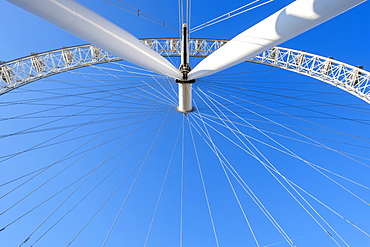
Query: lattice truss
[21, 71]
[352, 79]
[172, 47]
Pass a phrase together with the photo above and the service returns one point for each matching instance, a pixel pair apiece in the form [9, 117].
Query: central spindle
[185, 85]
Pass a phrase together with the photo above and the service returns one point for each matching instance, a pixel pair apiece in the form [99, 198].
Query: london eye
[190, 134]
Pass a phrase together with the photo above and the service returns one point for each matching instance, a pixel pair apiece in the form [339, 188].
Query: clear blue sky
[309, 114]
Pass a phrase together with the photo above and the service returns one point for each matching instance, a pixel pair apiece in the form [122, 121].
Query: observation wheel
[274, 151]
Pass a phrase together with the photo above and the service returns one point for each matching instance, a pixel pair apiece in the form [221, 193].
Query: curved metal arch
[21, 71]
[352, 79]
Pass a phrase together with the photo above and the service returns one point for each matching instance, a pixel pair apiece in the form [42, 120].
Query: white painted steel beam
[285, 24]
[95, 29]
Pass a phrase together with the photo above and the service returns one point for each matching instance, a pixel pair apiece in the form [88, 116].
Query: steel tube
[84, 23]
[185, 97]
[285, 24]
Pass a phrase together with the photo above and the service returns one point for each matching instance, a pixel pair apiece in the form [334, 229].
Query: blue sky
[146, 132]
